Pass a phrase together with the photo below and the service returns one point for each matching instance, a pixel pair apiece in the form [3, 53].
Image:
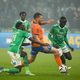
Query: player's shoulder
[21, 32]
[66, 27]
[35, 26]
[55, 25]
[18, 20]
[27, 21]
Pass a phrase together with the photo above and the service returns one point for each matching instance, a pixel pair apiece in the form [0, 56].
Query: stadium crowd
[50, 9]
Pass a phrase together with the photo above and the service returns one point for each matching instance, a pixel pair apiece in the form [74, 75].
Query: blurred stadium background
[54, 9]
[9, 11]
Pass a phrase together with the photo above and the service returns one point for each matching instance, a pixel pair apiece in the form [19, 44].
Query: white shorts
[15, 58]
[65, 49]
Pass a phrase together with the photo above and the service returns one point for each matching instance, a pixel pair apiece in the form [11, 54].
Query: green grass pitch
[44, 67]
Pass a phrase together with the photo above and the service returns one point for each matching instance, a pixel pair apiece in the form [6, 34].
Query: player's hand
[45, 44]
[23, 27]
[71, 48]
[27, 30]
[50, 21]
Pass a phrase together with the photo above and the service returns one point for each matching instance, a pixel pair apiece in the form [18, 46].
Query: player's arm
[26, 44]
[51, 32]
[13, 27]
[28, 27]
[35, 40]
[50, 36]
[46, 22]
[27, 30]
[67, 42]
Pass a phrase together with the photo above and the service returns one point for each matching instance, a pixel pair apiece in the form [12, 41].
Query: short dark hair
[23, 13]
[18, 24]
[63, 17]
[37, 14]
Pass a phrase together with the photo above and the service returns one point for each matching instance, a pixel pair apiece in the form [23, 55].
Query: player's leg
[49, 49]
[58, 60]
[25, 62]
[63, 59]
[34, 53]
[23, 54]
[67, 53]
[56, 52]
[16, 61]
[62, 55]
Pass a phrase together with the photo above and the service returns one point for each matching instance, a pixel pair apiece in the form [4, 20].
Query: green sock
[63, 59]
[5, 70]
[27, 69]
[11, 70]
[25, 59]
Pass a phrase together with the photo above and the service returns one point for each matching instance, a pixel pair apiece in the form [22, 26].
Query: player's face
[63, 22]
[40, 18]
[23, 17]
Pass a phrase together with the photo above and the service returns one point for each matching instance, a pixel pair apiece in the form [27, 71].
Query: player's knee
[33, 60]
[30, 60]
[68, 56]
[56, 52]
[60, 52]
[23, 54]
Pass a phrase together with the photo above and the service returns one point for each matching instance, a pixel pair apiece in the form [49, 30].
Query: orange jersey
[36, 30]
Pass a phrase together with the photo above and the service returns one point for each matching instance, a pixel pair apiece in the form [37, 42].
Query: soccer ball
[8, 40]
[63, 69]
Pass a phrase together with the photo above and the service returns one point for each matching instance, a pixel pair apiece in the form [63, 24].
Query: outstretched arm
[50, 36]
[35, 40]
[67, 42]
[46, 22]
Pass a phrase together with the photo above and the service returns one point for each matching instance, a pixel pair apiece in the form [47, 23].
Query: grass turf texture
[44, 67]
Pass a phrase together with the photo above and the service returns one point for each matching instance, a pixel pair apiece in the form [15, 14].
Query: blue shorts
[35, 50]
